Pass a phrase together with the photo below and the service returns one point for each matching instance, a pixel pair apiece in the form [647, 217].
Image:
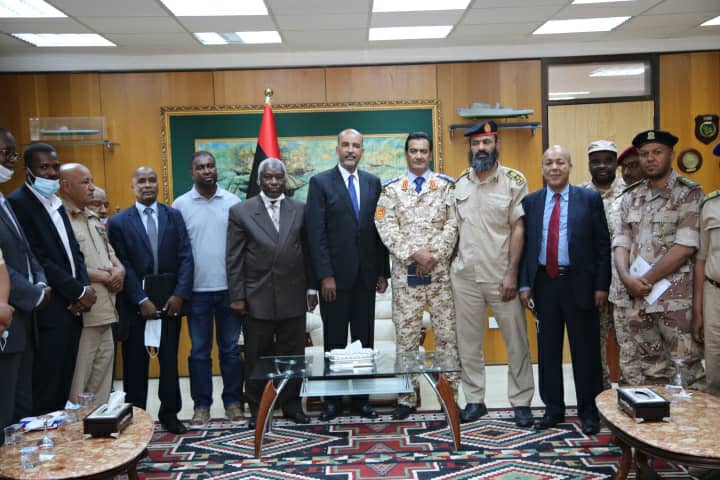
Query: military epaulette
[688, 182]
[630, 187]
[465, 172]
[710, 196]
[448, 178]
[515, 176]
[390, 182]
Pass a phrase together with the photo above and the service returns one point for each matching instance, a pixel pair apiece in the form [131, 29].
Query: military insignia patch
[688, 182]
[404, 185]
[101, 229]
[651, 135]
[515, 176]
[432, 184]
[380, 213]
[706, 128]
[710, 196]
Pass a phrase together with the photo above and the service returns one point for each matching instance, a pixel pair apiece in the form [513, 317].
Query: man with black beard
[485, 270]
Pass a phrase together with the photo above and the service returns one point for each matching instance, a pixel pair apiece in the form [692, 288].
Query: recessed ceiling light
[628, 71]
[712, 22]
[28, 9]
[65, 39]
[566, 94]
[581, 2]
[418, 5]
[409, 33]
[213, 8]
[580, 25]
[229, 38]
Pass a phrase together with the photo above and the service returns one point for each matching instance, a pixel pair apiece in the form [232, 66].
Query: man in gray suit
[28, 291]
[269, 279]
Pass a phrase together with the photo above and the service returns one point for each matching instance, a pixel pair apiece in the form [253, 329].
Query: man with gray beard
[485, 270]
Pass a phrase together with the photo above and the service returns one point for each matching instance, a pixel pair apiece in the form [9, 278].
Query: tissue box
[643, 403]
[104, 420]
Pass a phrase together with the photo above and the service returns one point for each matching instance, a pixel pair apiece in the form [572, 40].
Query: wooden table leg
[447, 400]
[645, 471]
[625, 461]
[265, 410]
[132, 467]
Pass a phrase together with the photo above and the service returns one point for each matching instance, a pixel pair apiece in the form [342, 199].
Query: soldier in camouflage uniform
[484, 273]
[602, 164]
[659, 222]
[415, 221]
[706, 305]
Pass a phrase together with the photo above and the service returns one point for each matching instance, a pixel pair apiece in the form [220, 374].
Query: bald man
[94, 365]
[151, 241]
[100, 204]
[564, 278]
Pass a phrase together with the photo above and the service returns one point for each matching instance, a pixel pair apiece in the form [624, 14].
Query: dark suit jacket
[268, 269]
[132, 247]
[23, 294]
[49, 250]
[588, 243]
[340, 245]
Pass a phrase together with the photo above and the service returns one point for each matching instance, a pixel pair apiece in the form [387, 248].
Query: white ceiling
[335, 32]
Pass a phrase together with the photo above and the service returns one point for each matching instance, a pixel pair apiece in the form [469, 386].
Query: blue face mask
[46, 188]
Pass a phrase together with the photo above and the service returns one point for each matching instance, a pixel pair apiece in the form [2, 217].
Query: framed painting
[307, 136]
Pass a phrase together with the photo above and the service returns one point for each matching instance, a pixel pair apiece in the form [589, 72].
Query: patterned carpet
[419, 447]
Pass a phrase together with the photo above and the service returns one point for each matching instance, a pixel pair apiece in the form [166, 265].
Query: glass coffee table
[389, 373]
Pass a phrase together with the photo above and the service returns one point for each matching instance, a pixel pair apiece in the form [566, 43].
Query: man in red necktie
[564, 277]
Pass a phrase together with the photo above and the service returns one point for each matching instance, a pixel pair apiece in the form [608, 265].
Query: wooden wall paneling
[688, 88]
[246, 87]
[576, 126]
[389, 83]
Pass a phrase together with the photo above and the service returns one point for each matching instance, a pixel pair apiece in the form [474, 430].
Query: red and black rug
[419, 447]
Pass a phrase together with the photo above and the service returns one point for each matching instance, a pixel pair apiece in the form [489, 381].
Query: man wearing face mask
[28, 292]
[484, 273]
[43, 218]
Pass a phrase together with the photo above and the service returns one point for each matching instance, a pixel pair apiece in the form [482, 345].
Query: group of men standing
[458, 247]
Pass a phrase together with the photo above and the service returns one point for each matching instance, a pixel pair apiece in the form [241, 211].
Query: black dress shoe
[252, 422]
[329, 412]
[590, 427]
[472, 412]
[173, 425]
[523, 417]
[549, 421]
[401, 412]
[366, 411]
[298, 417]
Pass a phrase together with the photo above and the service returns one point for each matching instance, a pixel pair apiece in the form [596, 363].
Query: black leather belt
[562, 269]
[713, 282]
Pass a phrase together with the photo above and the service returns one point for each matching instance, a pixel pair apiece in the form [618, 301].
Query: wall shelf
[532, 126]
[106, 143]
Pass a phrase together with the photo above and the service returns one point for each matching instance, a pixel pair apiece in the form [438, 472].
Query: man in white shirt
[47, 227]
[205, 211]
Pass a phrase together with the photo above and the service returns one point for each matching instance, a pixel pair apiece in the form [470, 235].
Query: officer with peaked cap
[484, 272]
[658, 226]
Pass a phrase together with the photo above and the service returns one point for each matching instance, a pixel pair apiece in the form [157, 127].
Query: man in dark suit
[28, 291]
[347, 254]
[270, 280]
[150, 238]
[48, 230]
[565, 276]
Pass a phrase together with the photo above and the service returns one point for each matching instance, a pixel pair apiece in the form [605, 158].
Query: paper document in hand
[639, 268]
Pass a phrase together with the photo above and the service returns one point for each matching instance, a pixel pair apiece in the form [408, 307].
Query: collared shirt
[206, 220]
[52, 205]
[345, 175]
[710, 238]
[486, 210]
[143, 217]
[267, 201]
[91, 236]
[411, 179]
[563, 255]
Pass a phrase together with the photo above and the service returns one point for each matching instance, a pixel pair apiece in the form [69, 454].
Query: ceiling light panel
[28, 9]
[712, 22]
[229, 38]
[418, 5]
[580, 25]
[214, 8]
[65, 39]
[585, 2]
[409, 33]
[621, 71]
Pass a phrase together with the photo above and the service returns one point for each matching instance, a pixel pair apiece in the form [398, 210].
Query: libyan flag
[267, 147]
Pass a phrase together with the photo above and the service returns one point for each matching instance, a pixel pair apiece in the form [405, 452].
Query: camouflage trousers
[605, 314]
[711, 318]
[650, 342]
[408, 307]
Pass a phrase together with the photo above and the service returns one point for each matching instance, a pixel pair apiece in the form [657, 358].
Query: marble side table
[80, 456]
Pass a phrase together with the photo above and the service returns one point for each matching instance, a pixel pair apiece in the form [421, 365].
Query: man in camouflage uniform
[415, 221]
[659, 222]
[602, 164]
[484, 273]
[706, 304]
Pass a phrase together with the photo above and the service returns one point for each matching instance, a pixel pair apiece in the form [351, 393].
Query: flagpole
[267, 145]
[268, 94]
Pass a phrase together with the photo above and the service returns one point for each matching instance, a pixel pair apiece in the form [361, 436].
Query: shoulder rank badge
[710, 196]
[515, 176]
[380, 213]
[688, 182]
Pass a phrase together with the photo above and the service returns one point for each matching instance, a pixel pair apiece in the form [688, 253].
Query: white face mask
[153, 331]
[5, 174]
